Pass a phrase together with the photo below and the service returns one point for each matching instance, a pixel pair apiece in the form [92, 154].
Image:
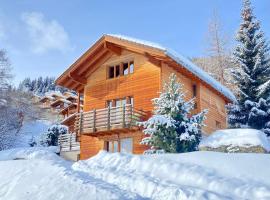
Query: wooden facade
[116, 72]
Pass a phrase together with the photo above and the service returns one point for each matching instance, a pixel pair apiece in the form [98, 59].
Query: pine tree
[172, 128]
[50, 138]
[252, 73]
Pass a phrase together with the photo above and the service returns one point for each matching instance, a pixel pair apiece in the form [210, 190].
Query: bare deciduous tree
[217, 61]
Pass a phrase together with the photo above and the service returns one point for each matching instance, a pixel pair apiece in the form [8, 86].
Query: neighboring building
[62, 104]
[118, 77]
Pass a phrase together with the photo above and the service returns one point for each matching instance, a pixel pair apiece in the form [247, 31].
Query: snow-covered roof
[3, 102]
[236, 138]
[47, 97]
[61, 100]
[70, 94]
[68, 118]
[54, 93]
[183, 61]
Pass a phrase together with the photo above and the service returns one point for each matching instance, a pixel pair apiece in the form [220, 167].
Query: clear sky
[45, 37]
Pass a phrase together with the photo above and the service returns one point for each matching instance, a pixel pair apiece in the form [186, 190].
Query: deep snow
[38, 173]
[31, 130]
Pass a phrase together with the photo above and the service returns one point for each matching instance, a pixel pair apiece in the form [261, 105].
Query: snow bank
[29, 153]
[197, 175]
[40, 174]
[236, 138]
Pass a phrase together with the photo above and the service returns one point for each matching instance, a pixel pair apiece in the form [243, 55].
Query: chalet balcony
[68, 142]
[111, 119]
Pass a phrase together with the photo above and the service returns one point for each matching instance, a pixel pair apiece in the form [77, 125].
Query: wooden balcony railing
[108, 119]
[67, 142]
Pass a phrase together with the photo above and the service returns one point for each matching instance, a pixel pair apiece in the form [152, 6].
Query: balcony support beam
[78, 102]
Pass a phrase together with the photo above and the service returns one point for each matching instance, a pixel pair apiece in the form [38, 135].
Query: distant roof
[54, 93]
[58, 101]
[188, 64]
[160, 52]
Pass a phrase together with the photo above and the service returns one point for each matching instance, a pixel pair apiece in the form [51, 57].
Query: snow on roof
[61, 100]
[3, 102]
[70, 94]
[236, 137]
[197, 71]
[47, 97]
[68, 118]
[54, 93]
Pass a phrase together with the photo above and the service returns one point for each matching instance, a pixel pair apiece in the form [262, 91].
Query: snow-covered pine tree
[173, 128]
[50, 138]
[252, 72]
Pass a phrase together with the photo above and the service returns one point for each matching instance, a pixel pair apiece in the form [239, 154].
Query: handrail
[67, 142]
[107, 119]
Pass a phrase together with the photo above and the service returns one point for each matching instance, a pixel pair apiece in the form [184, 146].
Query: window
[218, 125]
[115, 146]
[109, 103]
[131, 67]
[194, 90]
[117, 70]
[131, 100]
[126, 145]
[111, 72]
[122, 69]
[120, 102]
[125, 68]
[111, 146]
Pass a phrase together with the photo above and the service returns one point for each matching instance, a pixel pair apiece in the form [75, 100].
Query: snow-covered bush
[50, 138]
[173, 128]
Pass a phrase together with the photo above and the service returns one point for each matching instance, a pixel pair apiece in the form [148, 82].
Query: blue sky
[45, 37]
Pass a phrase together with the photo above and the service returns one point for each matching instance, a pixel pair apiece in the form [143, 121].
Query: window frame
[113, 146]
[121, 72]
[218, 124]
[112, 102]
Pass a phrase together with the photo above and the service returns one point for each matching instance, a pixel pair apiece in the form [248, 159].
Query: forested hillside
[40, 85]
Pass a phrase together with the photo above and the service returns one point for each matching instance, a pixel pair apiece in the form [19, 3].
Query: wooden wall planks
[144, 85]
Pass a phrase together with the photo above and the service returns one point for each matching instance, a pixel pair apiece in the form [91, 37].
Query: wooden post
[81, 123]
[60, 142]
[109, 118]
[70, 142]
[94, 120]
[78, 102]
[124, 116]
[119, 145]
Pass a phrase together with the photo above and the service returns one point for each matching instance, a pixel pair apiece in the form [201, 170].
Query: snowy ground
[39, 174]
[30, 130]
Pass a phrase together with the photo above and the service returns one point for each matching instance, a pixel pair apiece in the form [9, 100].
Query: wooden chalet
[118, 77]
[45, 102]
[59, 104]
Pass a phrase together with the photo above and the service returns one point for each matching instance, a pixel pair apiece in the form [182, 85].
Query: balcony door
[119, 104]
[116, 109]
